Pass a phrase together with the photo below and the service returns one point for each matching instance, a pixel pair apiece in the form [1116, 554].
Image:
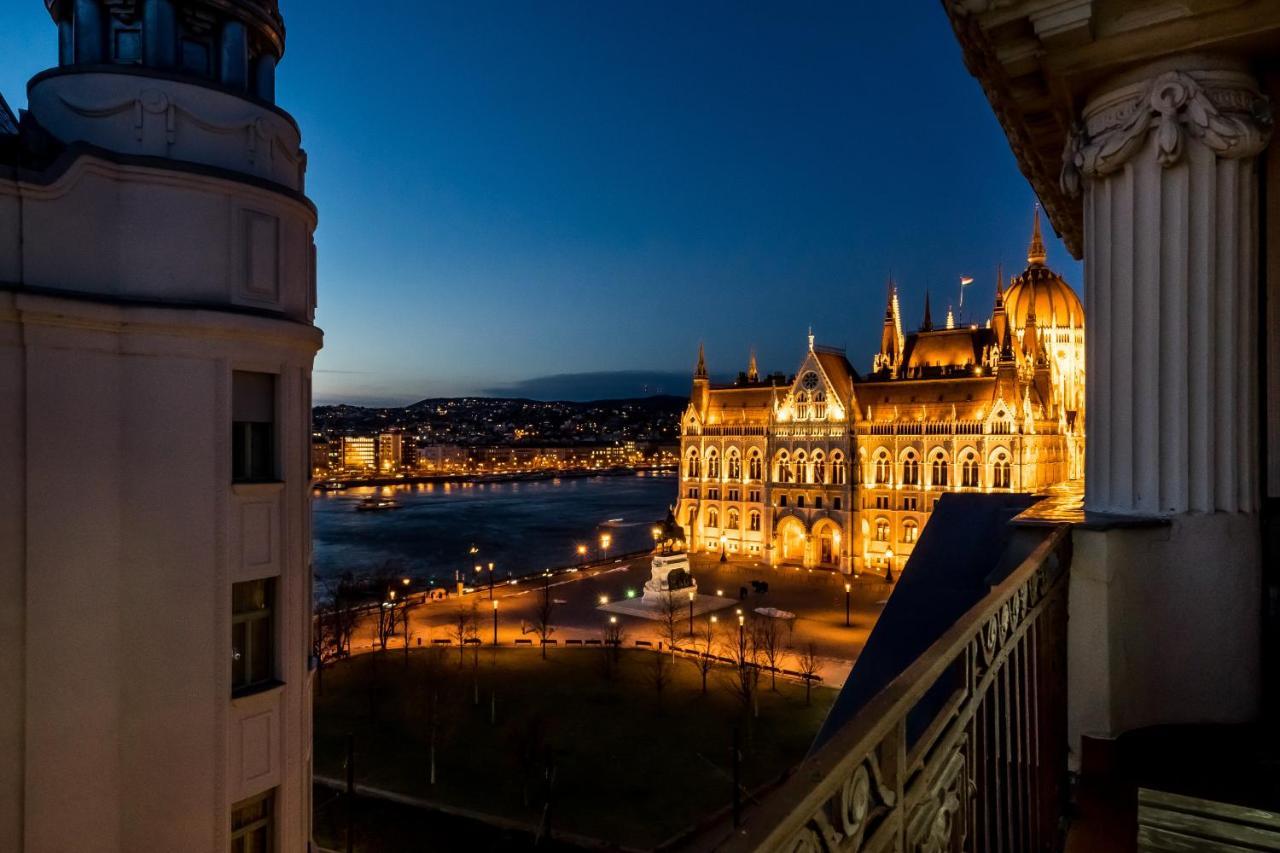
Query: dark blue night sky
[585, 190]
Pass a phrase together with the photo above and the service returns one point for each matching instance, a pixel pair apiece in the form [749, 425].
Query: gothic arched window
[802, 406]
[1001, 471]
[732, 516]
[753, 520]
[754, 466]
[910, 469]
[735, 465]
[839, 471]
[941, 469]
[801, 468]
[910, 530]
[882, 530]
[882, 467]
[819, 405]
[819, 468]
[969, 477]
[713, 464]
[693, 466]
[713, 517]
[783, 474]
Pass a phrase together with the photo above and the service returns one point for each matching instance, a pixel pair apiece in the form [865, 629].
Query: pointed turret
[999, 320]
[927, 324]
[753, 372]
[891, 338]
[1035, 252]
[701, 385]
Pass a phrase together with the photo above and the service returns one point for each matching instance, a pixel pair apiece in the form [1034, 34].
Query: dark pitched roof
[8, 122]
[967, 547]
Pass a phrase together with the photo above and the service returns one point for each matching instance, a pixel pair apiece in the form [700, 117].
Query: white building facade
[157, 295]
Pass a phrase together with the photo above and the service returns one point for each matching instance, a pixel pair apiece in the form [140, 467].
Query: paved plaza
[585, 600]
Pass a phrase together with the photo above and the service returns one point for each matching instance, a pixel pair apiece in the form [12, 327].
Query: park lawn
[629, 770]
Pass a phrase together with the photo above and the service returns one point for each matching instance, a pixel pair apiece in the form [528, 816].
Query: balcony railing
[965, 750]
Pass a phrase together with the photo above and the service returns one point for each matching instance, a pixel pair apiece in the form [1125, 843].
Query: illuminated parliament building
[832, 469]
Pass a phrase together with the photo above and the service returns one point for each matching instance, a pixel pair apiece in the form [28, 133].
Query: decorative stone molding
[1222, 110]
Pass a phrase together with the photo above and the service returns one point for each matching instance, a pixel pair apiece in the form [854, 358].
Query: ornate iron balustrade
[964, 751]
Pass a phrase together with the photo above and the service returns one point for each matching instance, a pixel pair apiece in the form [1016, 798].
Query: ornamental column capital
[1191, 98]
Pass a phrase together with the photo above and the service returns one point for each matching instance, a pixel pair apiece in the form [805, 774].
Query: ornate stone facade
[830, 469]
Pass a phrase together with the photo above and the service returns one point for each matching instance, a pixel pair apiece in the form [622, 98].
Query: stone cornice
[1222, 110]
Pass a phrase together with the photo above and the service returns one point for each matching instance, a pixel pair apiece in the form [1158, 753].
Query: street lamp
[605, 541]
[723, 557]
[495, 621]
[848, 588]
[582, 554]
[888, 572]
[692, 596]
[491, 580]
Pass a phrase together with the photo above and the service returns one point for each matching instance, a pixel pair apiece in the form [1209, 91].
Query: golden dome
[1056, 304]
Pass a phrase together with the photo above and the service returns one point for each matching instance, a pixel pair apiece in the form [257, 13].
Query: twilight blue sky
[564, 198]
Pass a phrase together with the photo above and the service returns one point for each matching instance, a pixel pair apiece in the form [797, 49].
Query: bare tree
[542, 616]
[345, 612]
[746, 668]
[659, 674]
[611, 647]
[405, 607]
[669, 613]
[328, 639]
[704, 660]
[768, 632]
[809, 663]
[463, 627]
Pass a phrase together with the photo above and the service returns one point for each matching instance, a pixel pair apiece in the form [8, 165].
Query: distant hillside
[512, 420]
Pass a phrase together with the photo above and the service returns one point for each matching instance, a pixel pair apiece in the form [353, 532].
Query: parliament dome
[1043, 291]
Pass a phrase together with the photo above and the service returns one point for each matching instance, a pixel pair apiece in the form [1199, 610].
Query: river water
[521, 527]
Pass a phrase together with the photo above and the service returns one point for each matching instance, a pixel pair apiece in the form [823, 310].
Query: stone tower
[157, 295]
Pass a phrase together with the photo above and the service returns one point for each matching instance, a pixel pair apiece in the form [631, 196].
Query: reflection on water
[520, 527]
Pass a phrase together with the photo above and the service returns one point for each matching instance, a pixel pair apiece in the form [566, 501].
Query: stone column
[1164, 596]
[1165, 158]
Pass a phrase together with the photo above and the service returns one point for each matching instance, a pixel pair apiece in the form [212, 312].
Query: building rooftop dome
[1055, 303]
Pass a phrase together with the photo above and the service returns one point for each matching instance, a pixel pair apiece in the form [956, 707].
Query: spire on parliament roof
[1035, 252]
[701, 371]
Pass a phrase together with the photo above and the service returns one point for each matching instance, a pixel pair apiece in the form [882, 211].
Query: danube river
[521, 527]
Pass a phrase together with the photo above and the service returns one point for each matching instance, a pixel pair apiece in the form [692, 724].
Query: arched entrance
[791, 539]
[826, 534]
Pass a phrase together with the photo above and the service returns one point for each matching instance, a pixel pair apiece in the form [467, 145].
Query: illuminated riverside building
[156, 345]
[836, 470]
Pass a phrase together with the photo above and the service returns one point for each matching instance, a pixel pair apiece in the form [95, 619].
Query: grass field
[629, 768]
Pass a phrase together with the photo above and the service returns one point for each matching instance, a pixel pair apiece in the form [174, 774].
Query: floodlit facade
[156, 342]
[831, 469]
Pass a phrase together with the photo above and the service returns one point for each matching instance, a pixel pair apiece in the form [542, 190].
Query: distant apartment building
[320, 465]
[359, 454]
[390, 452]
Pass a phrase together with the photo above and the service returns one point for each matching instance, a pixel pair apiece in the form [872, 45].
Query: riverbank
[341, 483]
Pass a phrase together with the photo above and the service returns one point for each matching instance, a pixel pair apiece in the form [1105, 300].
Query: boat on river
[373, 503]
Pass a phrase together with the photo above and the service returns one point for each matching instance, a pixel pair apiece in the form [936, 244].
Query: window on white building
[253, 649]
[253, 426]
[882, 530]
[910, 530]
[753, 520]
[253, 824]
